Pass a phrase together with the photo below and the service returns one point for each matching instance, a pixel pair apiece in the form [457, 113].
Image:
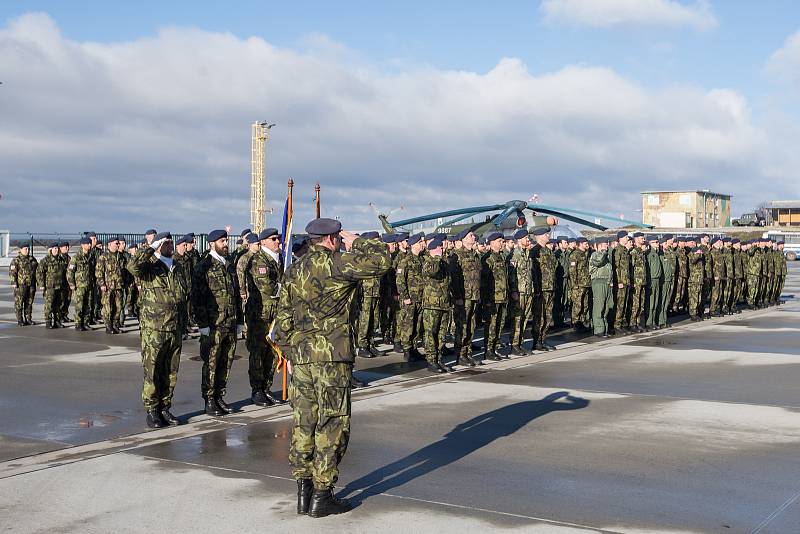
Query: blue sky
[699, 83]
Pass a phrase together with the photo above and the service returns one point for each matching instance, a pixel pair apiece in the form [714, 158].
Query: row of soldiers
[612, 285]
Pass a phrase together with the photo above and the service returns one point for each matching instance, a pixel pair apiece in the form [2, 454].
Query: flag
[286, 234]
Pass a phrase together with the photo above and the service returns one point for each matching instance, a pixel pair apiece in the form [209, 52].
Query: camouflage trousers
[779, 283]
[320, 397]
[637, 304]
[717, 292]
[622, 306]
[82, 300]
[679, 300]
[543, 311]
[388, 317]
[464, 316]
[216, 350]
[161, 357]
[563, 295]
[666, 300]
[409, 324]
[66, 299]
[522, 313]
[97, 301]
[263, 358]
[112, 305]
[367, 321]
[580, 306]
[602, 300]
[695, 299]
[435, 328]
[494, 319]
[653, 302]
[133, 300]
[23, 301]
[52, 303]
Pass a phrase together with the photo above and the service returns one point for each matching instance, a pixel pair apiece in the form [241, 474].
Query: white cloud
[156, 131]
[784, 63]
[607, 13]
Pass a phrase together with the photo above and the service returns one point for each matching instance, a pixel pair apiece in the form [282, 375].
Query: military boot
[305, 486]
[78, 326]
[408, 356]
[154, 419]
[212, 408]
[492, 355]
[48, 323]
[365, 353]
[434, 368]
[444, 368]
[20, 320]
[259, 399]
[168, 418]
[224, 405]
[517, 350]
[271, 398]
[325, 503]
[356, 383]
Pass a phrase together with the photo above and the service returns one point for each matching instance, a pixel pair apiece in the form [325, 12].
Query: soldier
[127, 278]
[545, 277]
[110, 280]
[22, 272]
[66, 294]
[521, 287]
[738, 276]
[313, 319]
[718, 277]
[639, 281]
[163, 301]
[368, 317]
[51, 275]
[681, 275]
[774, 267]
[708, 261]
[600, 271]
[180, 257]
[781, 272]
[730, 275]
[435, 303]
[193, 257]
[241, 247]
[263, 278]
[754, 269]
[654, 283]
[80, 277]
[695, 283]
[409, 286]
[669, 266]
[95, 302]
[389, 300]
[622, 276]
[252, 245]
[494, 293]
[580, 282]
[465, 280]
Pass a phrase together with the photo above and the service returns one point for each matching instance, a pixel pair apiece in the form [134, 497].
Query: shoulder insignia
[262, 270]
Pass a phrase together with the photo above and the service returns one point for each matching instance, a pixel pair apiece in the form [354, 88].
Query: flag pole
[316, 191]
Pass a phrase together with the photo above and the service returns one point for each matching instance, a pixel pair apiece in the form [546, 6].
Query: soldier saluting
[22, 272]
[314, 327]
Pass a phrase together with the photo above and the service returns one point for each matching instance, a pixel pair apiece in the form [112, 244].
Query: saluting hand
[347, 239]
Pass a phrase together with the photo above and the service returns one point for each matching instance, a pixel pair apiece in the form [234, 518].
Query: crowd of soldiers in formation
[439, 287]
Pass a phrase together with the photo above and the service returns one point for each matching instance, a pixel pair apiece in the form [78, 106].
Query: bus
[791, 241]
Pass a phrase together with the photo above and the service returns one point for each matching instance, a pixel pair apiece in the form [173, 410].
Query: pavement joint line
[392, 495]
[774, 515]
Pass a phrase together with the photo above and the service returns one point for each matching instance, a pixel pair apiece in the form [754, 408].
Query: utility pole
[258, 177]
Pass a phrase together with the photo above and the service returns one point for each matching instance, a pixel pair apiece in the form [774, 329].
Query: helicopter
[506, 218]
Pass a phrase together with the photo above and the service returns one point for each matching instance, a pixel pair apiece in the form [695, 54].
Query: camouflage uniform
[580, 282]
[193, 257]
[409, 286]
[622, 274]
[162, 303]
[465, 280]
[263, 278]
[80, 276]
[780, 274]
[669, 264]
[494, 295]
[561, 308]
[718, 287]
[109, 274]
[695, 284]
[22, 273]
[681, 278]
[730, 278]
[389, 301]
[435, 305]
[217, 306]
[96, 304]
[601, 273]
[50, 275]
[639, 283]
[655, 274]
[313, 326]
[66, 291]
[368, 316]
[545, 276]
[126, 258]
[521, 282]
[739, 267]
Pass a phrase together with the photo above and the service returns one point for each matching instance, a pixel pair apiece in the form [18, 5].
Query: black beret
[402, 236]
[662, 240]
[430, 236]
[188, 238]
[215, 235]
[492, 236]
[695, 249]
[322, 227]
[266, 233]
[181, 241]
[298, 244]
[190, 235]
[452, 238]
[54, 244]
[64, 244]
[562, 238]
[542, 230]
[621, 234]
[669, 236]
[638, 234]
[553, 241]
[91, 234]
[245, 232]
[414, 239]
[251, 239]
[735, 241]
[84, 241]
[572, 240]
[151, 232]
[581, 240]
[370, 235]
[161, 235]
[715, 240]
[781, 242]
[389, 238]
[462, 234]
[143, 242]
[701, 236]
[436, 242]
[652, 238]
[519, 234]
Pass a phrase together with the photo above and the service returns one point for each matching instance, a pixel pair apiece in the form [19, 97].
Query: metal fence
[43, 240]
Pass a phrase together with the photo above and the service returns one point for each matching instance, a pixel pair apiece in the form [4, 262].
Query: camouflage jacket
[371, 287]
[754, 266]
[521, 272]
[465, 275]
[186, 270]
[579, 269]
[436, 293]
[22, 271]
[50, 273]
[718, 263]
[727, 256]
[669, 263]
[697, 270]
[783, 268]
[109, 272]
[314, 310]
[389, 280]
[545, 268]
[409, 278]
[216, 302]
[739, 264]
[683, 263]
[494, 278]
[241, 275]
[562, 269]
[654, 269]
[639, 267]
[622, 266]
[80, 272]
[708, 260]
[263, 278]
[772, 260]
[162, 291]
[600, 266]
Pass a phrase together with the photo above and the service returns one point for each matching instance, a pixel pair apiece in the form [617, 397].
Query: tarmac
[690, 429]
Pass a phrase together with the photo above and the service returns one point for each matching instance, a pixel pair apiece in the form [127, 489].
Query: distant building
[785, 212]
[686, 209]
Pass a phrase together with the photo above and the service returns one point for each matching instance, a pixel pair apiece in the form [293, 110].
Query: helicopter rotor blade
[562, 209]
[449, 213]
[573, 218]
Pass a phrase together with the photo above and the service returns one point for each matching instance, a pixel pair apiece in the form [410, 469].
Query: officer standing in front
[80, 276]
[314, 329]
[22, 272]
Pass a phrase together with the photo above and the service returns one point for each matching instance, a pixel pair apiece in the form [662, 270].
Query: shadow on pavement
[463, 440]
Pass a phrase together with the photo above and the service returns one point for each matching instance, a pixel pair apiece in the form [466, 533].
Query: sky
[121, 116]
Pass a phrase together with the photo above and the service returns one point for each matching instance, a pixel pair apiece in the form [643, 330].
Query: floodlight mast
[258, 177]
